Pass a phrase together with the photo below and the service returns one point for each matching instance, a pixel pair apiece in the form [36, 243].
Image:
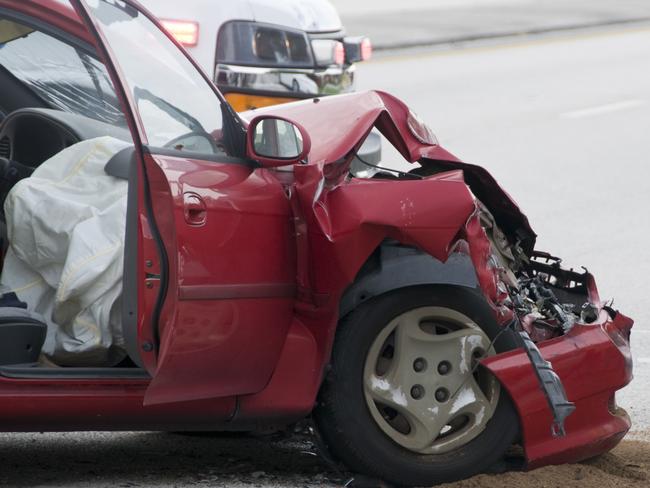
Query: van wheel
[404, 400]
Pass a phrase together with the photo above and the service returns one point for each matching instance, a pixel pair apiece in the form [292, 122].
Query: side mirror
[274, 141]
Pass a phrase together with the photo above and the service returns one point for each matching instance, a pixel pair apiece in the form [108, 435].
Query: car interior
[46, 108]
[55, 94]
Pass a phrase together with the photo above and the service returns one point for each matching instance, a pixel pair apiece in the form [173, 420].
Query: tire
[347, 415]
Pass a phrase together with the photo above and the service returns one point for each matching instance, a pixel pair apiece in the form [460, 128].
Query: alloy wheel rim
[419, 380]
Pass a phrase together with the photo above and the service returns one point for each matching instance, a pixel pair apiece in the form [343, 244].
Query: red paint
[230, 344]
[294, 385]
[593, 362]
[226, 292]
[257, 260]
[68, 405]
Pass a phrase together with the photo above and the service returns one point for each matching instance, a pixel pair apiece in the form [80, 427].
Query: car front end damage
[575, 350]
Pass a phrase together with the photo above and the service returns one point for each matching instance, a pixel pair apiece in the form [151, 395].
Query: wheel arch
[393, 266]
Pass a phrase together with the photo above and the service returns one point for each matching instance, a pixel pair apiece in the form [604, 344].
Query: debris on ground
[165, 460]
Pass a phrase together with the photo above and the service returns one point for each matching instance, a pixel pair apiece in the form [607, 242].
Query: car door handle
[194, 209]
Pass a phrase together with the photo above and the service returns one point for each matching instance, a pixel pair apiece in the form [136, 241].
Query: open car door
[210, 262]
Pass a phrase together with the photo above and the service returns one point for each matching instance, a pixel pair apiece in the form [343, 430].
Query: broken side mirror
[274, 141]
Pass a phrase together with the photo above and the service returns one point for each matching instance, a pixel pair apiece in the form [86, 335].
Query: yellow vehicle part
[243, 101]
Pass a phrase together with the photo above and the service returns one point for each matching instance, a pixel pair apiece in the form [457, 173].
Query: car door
[210, 255]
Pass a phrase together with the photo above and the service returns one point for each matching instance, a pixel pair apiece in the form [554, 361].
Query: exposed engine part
[552, 299]
[589, 313]
[547, 299]
[536, 299]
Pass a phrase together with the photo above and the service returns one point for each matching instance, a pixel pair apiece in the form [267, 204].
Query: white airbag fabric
[66, 226]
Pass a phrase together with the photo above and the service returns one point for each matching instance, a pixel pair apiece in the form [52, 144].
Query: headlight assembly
[255, 44]
[420, 130]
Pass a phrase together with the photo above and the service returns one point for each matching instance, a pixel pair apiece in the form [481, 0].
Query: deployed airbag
[66, 226]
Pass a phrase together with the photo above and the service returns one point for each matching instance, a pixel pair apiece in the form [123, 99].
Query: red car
[408, 314]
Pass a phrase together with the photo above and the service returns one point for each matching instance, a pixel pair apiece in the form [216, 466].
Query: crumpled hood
[307, 15]
[339, 124]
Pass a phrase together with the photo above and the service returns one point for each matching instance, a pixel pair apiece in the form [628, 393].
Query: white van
[264, 52]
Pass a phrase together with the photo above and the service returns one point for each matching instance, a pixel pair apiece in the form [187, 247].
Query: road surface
[563, 125]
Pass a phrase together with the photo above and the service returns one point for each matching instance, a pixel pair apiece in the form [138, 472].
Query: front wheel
[405, 401]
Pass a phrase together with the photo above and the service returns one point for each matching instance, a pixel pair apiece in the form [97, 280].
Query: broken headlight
[420, 130]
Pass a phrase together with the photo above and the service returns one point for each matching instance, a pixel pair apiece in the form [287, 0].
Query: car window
[177, 107]
[64, 76]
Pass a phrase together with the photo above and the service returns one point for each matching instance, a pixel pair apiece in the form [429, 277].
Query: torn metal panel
[343, 229]
[349, 119]
[487, 190]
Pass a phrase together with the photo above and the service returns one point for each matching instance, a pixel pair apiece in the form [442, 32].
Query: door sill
[36, 371]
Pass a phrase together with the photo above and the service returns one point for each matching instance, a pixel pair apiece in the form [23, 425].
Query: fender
[338, 234]
[396, 266]
[341, 223]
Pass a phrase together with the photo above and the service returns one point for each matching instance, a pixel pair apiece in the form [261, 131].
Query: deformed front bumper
[593, 361]
[563, 381]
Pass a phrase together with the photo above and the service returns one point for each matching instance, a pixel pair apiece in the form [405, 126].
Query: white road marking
[603, 109]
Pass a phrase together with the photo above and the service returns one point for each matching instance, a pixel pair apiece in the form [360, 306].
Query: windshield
[177, 107]
[65, 77]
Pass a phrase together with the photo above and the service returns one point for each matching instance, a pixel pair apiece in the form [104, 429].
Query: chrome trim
[287, 82]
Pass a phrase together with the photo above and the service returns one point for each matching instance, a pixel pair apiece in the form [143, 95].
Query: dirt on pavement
[627, 466]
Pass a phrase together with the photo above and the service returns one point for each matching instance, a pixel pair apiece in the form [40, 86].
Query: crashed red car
[407, 313]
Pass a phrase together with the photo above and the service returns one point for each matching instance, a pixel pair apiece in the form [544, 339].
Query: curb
[508, 34]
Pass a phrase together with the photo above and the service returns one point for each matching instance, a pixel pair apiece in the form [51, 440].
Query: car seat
[22, 334]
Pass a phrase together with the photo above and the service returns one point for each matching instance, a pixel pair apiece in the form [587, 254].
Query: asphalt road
[562, 123]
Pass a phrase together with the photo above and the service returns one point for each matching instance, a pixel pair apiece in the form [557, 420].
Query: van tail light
[185, 32]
